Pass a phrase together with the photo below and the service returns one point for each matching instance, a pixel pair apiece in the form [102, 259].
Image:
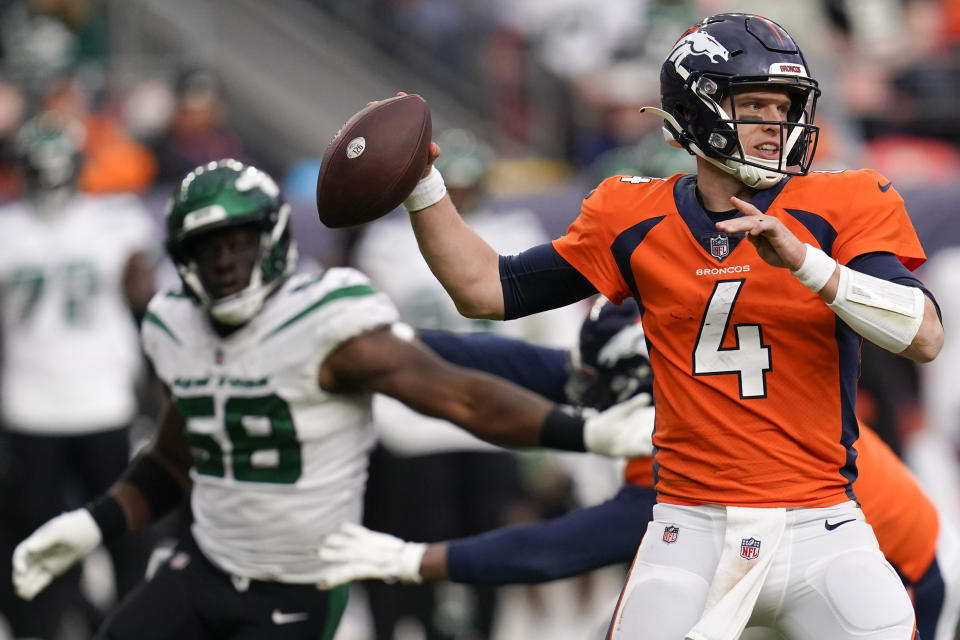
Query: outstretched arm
[463, 262]
[540, 369]
[580, 541]
[488, 407]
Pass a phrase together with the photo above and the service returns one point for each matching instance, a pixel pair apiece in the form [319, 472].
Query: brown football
[374, 161]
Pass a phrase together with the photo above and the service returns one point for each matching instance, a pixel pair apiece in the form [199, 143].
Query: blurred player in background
[428, 479]
[754, 344]
[75, 270]
[609, 366]
[270, 377]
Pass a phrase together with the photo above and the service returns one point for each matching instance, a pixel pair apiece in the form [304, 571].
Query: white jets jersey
[71, 354]
[278, 462]
[388, 253]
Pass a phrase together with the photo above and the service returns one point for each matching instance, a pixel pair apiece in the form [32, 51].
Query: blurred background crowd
[533, 102]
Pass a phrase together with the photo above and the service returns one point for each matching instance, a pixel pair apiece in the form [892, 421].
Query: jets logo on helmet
[708, 64]
[225, 194]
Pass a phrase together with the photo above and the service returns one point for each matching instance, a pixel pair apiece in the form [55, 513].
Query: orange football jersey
[754, 376]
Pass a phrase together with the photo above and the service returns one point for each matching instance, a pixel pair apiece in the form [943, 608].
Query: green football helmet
[50, 160]
[224, 194]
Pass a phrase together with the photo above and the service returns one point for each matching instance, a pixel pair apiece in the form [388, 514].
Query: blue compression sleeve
[539, 279]
[540, 369]
[579, 541]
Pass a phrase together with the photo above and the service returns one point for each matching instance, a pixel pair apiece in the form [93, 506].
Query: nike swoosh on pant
[279, 617]
[831, 527]
[884, 187]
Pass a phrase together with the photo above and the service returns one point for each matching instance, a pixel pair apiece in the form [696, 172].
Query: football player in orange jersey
[754, 345]
[609, 366]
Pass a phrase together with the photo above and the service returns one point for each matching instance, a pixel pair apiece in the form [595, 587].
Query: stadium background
[549, 88]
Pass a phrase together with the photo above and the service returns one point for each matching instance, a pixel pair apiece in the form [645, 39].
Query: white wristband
[410, 557]
[430, 190]
[816, 270]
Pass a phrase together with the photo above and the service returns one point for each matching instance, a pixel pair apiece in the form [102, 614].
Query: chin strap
[753, 177]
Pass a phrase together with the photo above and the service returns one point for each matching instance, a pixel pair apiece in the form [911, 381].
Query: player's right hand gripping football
[623, 430]
[357, 553]
[52, 549]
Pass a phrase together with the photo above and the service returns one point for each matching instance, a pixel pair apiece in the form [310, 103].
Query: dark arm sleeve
[540, 369]
[886, 266]
[539, 279]
[577, 542]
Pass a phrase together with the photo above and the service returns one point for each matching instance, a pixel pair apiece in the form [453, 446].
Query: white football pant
[828, 578]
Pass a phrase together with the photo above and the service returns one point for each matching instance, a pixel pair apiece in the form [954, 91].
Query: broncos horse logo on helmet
[697, 43]
[722, 54]
[611, 362]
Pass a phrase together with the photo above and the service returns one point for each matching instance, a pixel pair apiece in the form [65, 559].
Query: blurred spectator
[199, 131]
[11, 115]
[934, 452]
[43, 39]
[113, 160]
[913, 161]
[72, 268]
[897, 66]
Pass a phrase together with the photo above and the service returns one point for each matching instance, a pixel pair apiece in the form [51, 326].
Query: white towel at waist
[750, 543]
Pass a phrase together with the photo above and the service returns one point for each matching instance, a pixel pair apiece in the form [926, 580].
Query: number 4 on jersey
[750, 359]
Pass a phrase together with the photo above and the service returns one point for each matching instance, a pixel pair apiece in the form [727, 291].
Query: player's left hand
[52, 549]
[357, 553]
[775, 243]
[624, 430]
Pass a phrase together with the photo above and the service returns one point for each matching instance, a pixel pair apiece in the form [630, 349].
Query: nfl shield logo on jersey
[719, 246]
[670, 534]
[749, 548]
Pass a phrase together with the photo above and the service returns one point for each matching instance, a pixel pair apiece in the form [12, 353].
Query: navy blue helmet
[720, 55]
[610, 363]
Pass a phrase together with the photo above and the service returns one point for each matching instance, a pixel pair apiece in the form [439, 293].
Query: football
[374, 161]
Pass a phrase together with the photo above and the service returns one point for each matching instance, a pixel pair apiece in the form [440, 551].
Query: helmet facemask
[797, 139]
[275, 257]
[222, 196]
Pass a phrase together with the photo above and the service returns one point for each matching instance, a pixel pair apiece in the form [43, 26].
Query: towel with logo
[750, 543]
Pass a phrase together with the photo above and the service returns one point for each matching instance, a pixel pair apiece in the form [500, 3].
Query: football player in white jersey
[72, 268]
[270, 377]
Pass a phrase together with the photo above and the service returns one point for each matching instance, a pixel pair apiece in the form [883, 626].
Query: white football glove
[623, 430]
[357, 553]
[52, 549]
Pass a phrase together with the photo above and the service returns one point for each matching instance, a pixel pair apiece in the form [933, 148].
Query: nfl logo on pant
[749, 548]
[670, 534]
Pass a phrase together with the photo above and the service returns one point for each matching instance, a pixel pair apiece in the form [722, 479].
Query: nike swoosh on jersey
[884, 187]
[279, 617]
[831, 527]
